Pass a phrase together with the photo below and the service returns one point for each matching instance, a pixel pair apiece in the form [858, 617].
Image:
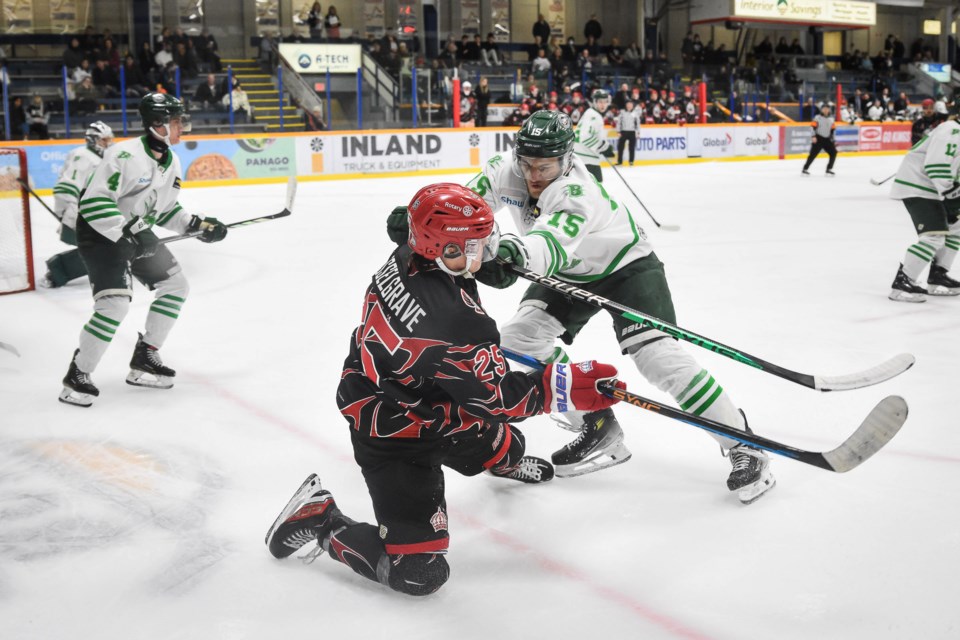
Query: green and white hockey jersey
[132, 182]
[591, 138]
[932, 166]
[574, 231]
[77, 169]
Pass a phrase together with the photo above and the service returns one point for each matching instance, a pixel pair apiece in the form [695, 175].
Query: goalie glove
[398, 228]
[496, 273]
[137, 241]
[212, 229]
[573, 386]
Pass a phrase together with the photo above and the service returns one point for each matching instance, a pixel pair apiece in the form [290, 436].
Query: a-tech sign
[317, 58]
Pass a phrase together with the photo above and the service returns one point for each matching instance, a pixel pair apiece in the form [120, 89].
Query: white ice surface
[144, 516]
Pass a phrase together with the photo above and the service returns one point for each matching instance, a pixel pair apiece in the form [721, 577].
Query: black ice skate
[750, 476]
[78, 388]
[530, 470]
[830, 172]
[146, 368]
[311, 515]
[805, 172]
[904, 289]
[599, 445]
[941, 284]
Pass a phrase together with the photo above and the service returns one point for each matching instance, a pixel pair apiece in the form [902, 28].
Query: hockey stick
[287, 210]
[664, 227]
[877, 429]
[34, 194]
[9, 347]
[874, 375]
[877, 183]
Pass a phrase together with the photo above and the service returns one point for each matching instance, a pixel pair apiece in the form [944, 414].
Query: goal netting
[16, 250]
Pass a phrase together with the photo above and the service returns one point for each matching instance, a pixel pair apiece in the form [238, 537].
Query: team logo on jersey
[123, 155]
[439, 520]
[383, 532]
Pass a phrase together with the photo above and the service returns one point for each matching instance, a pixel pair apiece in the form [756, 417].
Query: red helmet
[447, 214]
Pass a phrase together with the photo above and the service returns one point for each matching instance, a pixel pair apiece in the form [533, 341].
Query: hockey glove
[573, 386]
[138, 241]
[212, 229]
[608, 152]
[952, 192]
[496, 273]
[397, 226]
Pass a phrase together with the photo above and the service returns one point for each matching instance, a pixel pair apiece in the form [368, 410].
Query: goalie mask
[448, 220]
[98, 133]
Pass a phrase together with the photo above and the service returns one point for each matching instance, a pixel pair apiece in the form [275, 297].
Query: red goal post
[16, 246]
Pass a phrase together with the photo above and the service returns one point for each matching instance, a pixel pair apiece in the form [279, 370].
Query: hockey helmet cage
[95, 132]
[447, 214]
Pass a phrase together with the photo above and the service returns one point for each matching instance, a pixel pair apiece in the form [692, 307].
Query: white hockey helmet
[97, 132]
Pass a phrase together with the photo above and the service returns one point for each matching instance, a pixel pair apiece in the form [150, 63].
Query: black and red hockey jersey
[425, 361]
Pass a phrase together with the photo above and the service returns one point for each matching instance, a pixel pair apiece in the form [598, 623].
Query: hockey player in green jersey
[928, 184]
[591, 137]
[574, 231]
[77, 169]
[135, 186]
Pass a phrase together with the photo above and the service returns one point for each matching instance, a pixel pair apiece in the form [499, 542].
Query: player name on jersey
[396, 297]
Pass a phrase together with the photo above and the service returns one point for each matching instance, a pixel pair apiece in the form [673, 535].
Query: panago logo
[560, 373]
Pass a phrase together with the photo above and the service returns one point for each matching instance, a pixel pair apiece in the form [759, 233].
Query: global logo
[758, 142]
[718, 142]
[304, 61]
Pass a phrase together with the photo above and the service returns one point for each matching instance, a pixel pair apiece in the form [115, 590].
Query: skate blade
[77, 399]
[144, 379]
[902, 296]
[753, 492]
[595, 462]
[940, 290]
[310, 486]
[561, 421]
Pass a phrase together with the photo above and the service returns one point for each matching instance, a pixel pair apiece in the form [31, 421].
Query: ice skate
[805, 172]
[530, 470]
[78, 388]
[941, 284]
[750, 476]
[599, 445]
[46, 282]
[146, 368]
[830, 173]
[904, 289]
[310, 516]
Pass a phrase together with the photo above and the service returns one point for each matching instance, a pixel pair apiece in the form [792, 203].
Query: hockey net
[16, 249]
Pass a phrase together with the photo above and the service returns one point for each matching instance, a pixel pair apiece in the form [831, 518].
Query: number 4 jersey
[425, 361]
[574, 231]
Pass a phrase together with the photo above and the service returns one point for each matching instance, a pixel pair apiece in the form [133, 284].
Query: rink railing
[265, 158]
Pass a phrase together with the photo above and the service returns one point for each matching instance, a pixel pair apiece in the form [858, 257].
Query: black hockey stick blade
[662, 227]
[288, 209]
[877, 183]
[868, 377]
[39, 199]
[9, 347]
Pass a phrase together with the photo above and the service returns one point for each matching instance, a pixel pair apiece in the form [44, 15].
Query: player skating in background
[77, 169]
[823, 124]
[424, 386]
[136, 186]
[591, 136]
[928, 121]
[928, 184]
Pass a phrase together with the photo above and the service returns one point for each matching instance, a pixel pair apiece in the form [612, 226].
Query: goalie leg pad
[419, 574]
[64, 267]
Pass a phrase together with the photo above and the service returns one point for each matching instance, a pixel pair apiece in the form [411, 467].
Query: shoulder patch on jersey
[123, 155]
[176, 183]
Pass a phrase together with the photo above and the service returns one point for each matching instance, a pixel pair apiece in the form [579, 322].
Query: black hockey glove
[137, 241]
[608, 152]
[952, 192]
[397, 227]
[213, 230]
[496, 273]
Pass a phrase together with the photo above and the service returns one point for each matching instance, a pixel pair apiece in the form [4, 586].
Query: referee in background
[628, 123]
[822, 139]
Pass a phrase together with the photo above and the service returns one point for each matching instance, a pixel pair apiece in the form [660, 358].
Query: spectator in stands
[468, 105]
[110, 54]
[783, 48]
[622, 96]
[332, 23]
[208, 94]
[268, 49]
[184, 58]
[168, 78]
[73, 55]
[686, 52]
[164, 55]
[90, 41]
[898, 52]
[633, 56]
[584, 63]
[570, 50]
[540, 65]
[541, 31]
[106, 79]
[483, 101]
[534, 49]
[534, 98]
[37, 119]
[876, 111]
[162, 38]
[857, 102]
[241, 104]
[18, 119]
[88, 96]
[147, 62]
[208, 50]
[449, 58]
[134, 79]
[312, 119]
[178, 37]
[518, 117]
[559, 66]
[593, 29]
[406, 58]
[314, 20]
[697, 56]
[490, 52]
[471, 50]
[615, 52]
[764, 49]
[81, 72]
